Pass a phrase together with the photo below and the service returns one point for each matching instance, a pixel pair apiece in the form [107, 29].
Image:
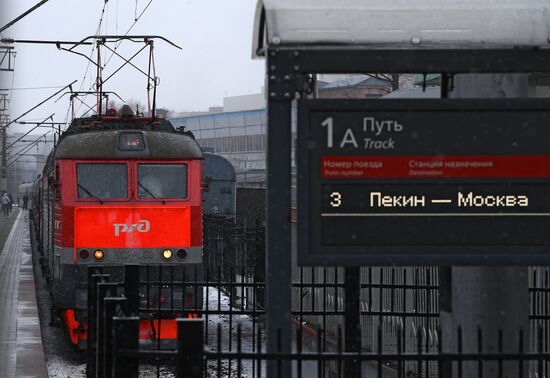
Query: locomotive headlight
[181, 254]
[167, 254]
[84, 254]
[98, 254]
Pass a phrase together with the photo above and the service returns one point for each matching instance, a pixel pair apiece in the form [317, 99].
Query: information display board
[457, 182]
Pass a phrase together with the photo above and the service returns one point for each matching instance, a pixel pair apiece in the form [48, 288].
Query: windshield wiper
[151, 193]
[147, 190]
[90, 193]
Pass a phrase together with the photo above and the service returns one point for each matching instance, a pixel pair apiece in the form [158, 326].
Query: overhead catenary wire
[112, 53]
[24, 14]
[87, 70]
[37, 105]
[25, 154]
[28, 132]
[128, 31]
[27, 148]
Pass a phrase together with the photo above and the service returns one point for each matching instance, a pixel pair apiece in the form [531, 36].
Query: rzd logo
[141, 226]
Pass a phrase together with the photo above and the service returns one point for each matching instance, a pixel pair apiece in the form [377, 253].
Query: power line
[115, 48]
[128, 31]
[23, 15]
[82, 83]
[36, 106]
[28, 132]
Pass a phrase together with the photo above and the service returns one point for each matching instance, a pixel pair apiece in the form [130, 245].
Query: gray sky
[215, 61]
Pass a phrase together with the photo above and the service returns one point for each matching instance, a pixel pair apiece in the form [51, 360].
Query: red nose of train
[116, 231]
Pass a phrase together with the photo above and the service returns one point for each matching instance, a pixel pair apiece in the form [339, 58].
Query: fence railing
[390, 297]
[228, 339]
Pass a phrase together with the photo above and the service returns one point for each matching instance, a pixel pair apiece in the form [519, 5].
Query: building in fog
[238, 136]
[239, 131]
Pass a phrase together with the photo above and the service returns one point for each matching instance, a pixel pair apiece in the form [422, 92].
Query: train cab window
[102, 181]
[162, 181]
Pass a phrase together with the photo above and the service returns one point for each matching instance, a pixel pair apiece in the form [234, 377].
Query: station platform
[21, 351]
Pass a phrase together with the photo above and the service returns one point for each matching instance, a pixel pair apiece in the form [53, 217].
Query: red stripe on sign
[349, 167]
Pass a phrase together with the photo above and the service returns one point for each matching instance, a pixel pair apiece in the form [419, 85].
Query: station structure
[475, 49]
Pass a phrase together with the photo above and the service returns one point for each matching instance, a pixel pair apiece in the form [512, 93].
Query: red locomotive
[117, 189]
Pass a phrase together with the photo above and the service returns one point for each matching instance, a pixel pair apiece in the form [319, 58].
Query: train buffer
[21, 351]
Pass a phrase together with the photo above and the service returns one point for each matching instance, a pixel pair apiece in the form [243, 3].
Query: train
[220, 192]
[117, 189]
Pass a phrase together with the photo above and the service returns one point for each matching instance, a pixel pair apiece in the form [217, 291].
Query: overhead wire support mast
[7, 59]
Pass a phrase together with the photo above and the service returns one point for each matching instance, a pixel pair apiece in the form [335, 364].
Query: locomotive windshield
[162, 180]
[102, 181]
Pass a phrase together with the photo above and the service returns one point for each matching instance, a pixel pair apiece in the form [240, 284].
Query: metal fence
[228, 341]
[397, 319]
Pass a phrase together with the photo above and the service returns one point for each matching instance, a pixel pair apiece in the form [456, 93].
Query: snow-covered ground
[229, 325]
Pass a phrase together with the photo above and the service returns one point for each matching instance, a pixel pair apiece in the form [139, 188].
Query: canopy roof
[403, 23]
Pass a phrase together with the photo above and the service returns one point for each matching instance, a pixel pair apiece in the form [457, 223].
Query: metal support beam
[278, 233]
[334, 60]
[7, 58]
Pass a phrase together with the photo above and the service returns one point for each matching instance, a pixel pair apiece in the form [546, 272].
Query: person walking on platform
[25, 201]
[10, 206]
[5, 201]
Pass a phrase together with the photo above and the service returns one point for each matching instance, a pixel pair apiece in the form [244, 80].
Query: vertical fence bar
[103, 289]
[91, 343]
[218, 349]
[521, 352]
[189, 362]
[109, 309]
[239, 351]
[540, 362]
[479, 351]
[131, 289]
[547, 318]
[125, 337]
[352, 313]
[500, 365]
[259, 351]
[459, 350]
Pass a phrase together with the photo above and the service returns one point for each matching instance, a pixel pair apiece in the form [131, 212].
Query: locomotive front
[124, 191]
